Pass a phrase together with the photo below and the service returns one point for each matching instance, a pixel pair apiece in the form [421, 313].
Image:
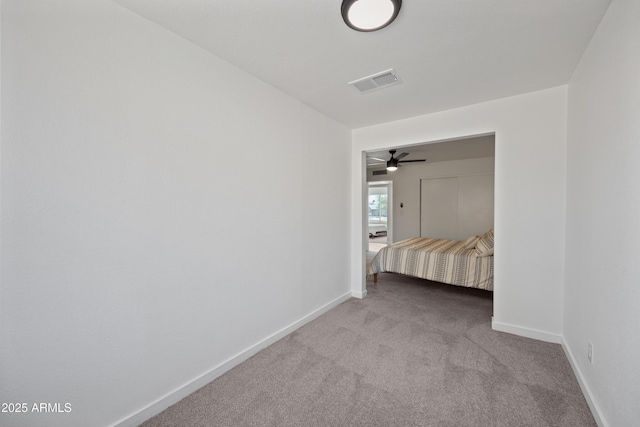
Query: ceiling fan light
[369, 15]
[392, 163]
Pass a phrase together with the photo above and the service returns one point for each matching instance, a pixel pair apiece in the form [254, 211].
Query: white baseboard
[526, 332]
[556, 339]
[586, 391]
[359, 294]
[183, 391]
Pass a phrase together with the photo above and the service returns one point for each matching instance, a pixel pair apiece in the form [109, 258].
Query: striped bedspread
[445, 261]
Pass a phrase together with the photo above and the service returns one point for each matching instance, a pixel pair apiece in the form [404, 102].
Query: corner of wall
[586, 391]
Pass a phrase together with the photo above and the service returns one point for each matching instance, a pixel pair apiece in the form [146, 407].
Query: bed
[468, 263]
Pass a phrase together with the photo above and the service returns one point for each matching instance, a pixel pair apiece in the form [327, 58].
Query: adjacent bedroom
[431, 213]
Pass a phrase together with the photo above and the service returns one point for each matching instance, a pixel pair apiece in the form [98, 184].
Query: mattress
[445, 261]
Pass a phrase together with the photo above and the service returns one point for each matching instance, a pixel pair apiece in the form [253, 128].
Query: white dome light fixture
[369, 15]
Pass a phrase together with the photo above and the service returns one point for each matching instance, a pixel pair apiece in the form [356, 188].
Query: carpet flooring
[412, 353]
[377, 243]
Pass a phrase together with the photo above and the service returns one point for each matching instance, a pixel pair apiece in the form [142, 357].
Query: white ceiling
[448, 53]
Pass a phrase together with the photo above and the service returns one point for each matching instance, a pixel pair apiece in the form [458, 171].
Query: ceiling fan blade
[375, 158]
[401, 155]
[409, 161]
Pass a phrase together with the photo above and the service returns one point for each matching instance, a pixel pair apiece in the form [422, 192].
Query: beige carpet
[413, 353]
[377, 243]
[375, 247]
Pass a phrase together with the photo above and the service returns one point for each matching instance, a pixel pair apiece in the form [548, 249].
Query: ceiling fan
[394, 162]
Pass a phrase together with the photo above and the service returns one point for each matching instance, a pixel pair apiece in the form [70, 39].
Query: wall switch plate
[590, 352]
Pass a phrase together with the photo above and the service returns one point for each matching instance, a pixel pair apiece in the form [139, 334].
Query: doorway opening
[379, 216]
[470, 161]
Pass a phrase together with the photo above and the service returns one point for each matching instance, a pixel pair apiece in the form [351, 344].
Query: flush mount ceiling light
[369, 15]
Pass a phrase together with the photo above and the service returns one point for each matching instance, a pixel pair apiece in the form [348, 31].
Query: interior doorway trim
[359, 203]
[389, 187]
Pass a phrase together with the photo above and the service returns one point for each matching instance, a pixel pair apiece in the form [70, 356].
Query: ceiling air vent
[376, 81]
[380, 172]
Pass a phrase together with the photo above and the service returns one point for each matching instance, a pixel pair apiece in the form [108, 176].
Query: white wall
[162, 211]
[530, 172]
[406, 188]
[602, 299]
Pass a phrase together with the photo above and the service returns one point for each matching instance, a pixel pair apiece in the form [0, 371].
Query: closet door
[439, 208]
[475, 205]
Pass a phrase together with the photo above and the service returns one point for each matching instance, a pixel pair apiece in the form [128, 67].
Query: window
[378, 207]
